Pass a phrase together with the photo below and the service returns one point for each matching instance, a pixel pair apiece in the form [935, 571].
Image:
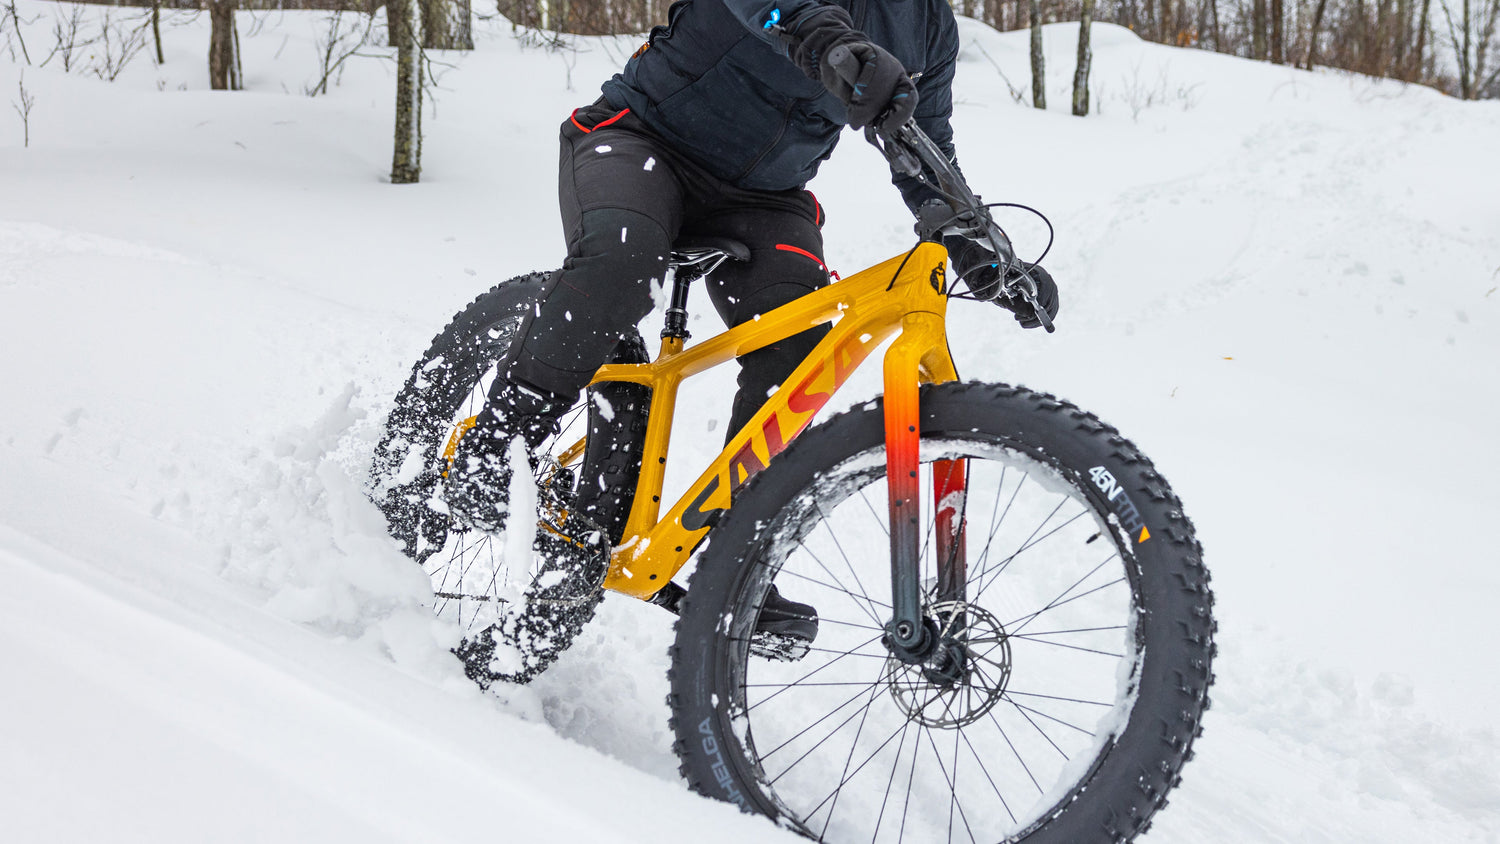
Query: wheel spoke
[1034, 638]
[1014, 752]
[811, 750]
[1054, 718]
[847, 775]
[844, 777]
[1104, 703]
[1041, 625]
[861, 598]
[879, 521]
[1020, 623]
[1071, 587]
[863, 593]
[952, 786]
[1031, 542]
[891, 780]
[809, 727]
[997, 523]
[985, 769]
[804, 677]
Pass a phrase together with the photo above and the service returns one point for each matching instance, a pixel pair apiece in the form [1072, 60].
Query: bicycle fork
[920, 355]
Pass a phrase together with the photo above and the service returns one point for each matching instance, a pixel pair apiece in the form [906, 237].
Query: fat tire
[1128, 782]
[407, 467]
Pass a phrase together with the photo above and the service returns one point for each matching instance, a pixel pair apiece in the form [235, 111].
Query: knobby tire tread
[1135, 791]
[421, 419]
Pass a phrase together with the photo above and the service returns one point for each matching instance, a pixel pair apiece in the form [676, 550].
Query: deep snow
[1282, 285]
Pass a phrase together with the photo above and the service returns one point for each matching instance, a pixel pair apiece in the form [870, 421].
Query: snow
[1282, 285]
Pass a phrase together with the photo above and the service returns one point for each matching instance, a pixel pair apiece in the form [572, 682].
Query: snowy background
[1282, 285]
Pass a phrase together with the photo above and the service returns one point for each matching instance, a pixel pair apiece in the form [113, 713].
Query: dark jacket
[718, 86]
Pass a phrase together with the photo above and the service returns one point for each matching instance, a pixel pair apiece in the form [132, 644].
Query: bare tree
[1470, 37]
[1422, 28]
[161, 57]
[336, 45]
[23, 108]
[1085, 58]
[68, 39]
[1038, 61]
[10, 12]
[405, 20]
[1312, 38]
[224, 71]
[119, 41]
[1258, 30]
[1278, 41]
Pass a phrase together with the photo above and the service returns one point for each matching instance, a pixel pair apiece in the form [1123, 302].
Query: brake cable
[907, 149]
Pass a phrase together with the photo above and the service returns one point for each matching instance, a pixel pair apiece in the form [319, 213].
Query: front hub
[965, 674]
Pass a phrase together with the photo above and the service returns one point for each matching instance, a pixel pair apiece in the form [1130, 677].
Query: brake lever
[1025, 288]
[897, 152]
[904, 148]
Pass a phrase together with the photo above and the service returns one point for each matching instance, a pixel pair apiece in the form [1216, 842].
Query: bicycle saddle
[697, 247]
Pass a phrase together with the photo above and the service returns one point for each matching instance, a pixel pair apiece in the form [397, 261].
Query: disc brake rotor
[973, 678]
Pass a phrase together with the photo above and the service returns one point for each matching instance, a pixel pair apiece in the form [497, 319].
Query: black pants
[625, 198]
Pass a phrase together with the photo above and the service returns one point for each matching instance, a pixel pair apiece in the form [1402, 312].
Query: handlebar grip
[844, 64]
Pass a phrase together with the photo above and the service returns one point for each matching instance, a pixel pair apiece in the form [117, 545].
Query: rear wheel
[519, 601]
[1081, 639]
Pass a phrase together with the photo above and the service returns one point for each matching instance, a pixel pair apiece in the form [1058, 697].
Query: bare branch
[23, 108]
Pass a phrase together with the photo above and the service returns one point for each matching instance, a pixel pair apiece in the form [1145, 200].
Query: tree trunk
[1381, 39]
[1401, 38]
[1085, 57]
[1422, 27]
[1038, 62]
[161, 59]
[1278, 15]
[1312, 37]
[224, 73]
[1213, 9]
[1466, 67]
[1258, 30]
[405, 18]
[1482, 48]
[558, 12]
[447, 25]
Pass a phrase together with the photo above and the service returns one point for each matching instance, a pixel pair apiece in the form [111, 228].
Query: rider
[713, 129]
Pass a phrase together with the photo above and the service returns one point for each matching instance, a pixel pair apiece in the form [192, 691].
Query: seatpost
[676, 324]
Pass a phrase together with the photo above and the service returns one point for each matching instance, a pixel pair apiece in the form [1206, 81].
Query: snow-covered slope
[1281, 284]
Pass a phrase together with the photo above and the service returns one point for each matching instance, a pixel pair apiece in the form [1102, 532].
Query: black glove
[978, 267]
[870, 82]
[975, 264]
[1046, 296]
[881, 94]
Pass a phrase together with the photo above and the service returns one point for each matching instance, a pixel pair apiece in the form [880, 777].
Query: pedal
[779, 646]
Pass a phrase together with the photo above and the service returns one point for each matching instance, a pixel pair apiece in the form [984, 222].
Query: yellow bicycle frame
[905, 294]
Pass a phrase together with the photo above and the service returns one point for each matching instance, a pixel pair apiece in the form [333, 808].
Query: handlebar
[911, 152]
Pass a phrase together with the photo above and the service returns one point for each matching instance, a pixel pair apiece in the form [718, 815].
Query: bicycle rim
[852, 745]
[479, 579]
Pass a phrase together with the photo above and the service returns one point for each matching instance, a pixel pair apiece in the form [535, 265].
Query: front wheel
[1078, 644]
